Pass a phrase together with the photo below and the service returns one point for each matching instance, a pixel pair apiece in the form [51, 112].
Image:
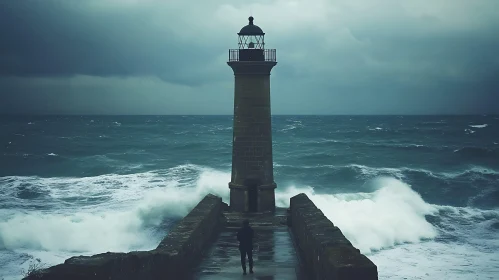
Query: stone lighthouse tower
[252, 183]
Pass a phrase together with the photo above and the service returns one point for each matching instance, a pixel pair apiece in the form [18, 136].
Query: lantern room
[251, 36]
[251, 45]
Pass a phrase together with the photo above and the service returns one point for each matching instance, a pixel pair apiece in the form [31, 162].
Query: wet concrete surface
[274, 253]
[274, 257]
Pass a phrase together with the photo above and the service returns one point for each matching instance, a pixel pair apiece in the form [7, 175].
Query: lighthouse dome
[251, 29]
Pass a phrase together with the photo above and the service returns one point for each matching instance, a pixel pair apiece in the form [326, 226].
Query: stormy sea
[419, 195]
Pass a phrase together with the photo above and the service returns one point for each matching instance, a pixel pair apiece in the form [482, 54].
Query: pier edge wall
[325, 251]
[173, 257]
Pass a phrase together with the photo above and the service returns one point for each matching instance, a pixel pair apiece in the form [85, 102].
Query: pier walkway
[274, 253]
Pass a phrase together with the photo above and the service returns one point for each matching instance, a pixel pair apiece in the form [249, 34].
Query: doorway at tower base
[252, 197]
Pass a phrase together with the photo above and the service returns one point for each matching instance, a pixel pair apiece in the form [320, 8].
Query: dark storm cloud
[64, 38]
[335, 57]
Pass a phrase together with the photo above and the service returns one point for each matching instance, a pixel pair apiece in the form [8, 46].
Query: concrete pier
[295, 243]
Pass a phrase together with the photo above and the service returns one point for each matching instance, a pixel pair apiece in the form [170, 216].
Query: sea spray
[118, 229]
[392, 214]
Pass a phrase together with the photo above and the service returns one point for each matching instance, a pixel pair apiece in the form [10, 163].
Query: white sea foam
[435, 261]
[370, 172]
[79, 232]
[474, 254]
[295, 124]
[288, 127]
[390, 215]
[480, 170]
[217, 128]
[383, 223]
[120, 224]
[325, 140]
[479, 125]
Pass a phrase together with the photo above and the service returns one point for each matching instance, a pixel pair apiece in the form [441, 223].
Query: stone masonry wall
[252, 134]
[325, 251]
[173, 257]
[252, 139]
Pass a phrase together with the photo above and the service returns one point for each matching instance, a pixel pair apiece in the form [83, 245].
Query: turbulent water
[418, 195]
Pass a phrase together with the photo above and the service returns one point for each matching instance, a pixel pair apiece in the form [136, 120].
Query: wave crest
[392, 214]
[126, 223]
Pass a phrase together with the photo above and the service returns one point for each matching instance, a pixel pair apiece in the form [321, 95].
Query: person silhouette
[245, 238]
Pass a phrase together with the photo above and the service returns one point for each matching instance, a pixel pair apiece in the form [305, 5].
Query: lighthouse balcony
[252, 55]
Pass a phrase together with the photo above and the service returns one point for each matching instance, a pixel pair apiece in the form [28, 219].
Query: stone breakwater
[324, 250]
[175, 255]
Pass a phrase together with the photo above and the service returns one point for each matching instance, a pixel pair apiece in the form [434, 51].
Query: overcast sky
[169, 56]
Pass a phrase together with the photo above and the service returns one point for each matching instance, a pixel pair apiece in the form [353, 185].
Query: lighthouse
[252, 186]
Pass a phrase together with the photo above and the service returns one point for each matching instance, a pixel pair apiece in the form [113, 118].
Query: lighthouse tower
[252, 183]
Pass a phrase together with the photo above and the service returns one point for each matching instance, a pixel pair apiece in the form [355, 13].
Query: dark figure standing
[245, 238]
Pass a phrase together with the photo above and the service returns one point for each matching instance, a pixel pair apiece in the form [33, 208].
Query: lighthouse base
[252, 198]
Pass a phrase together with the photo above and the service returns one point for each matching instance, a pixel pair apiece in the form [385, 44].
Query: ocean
[419, 195]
